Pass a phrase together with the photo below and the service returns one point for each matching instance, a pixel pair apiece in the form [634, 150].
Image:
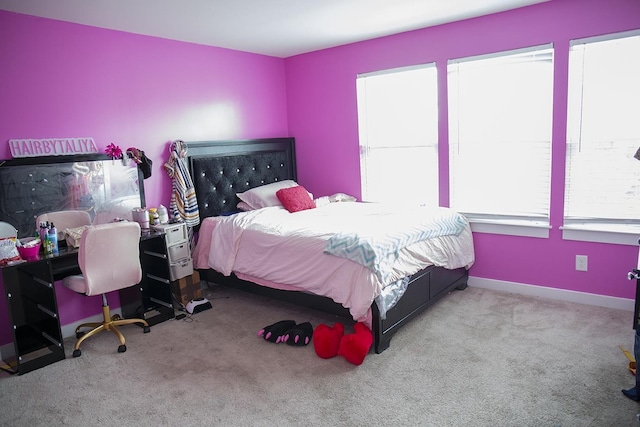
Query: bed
[221, 169]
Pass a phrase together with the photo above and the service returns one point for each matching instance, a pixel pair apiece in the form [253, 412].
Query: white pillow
[265, 195]
[244, 206]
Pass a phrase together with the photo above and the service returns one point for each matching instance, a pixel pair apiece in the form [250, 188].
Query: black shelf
[151, 300]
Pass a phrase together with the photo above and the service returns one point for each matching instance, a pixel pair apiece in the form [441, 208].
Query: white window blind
[398, 130]
[602, 184]
[500, 118]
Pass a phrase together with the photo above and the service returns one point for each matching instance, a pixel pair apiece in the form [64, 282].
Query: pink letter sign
[51, 147]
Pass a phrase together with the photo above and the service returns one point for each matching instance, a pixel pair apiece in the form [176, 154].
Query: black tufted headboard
[220, 169]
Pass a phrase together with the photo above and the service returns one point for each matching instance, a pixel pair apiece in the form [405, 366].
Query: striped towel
[183, 196]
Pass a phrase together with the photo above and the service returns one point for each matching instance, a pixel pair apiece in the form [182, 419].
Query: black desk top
[64, 252]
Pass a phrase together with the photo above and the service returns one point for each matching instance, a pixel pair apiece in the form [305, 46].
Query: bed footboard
[425, 288]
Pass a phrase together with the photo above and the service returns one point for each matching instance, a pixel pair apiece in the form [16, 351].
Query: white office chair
[64, 220]
[7, 230]
[109, 258]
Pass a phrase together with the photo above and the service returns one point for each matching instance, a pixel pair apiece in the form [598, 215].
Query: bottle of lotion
[163, 214]
[53, 237]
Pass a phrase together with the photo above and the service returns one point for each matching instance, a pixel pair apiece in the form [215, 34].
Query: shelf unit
[178, 250]
[151, 300]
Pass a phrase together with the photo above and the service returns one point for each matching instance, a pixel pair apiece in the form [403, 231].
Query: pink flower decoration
[114, 151]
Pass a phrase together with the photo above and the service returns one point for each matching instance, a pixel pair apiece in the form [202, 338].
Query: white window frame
[519, 224]
[616, 231]
[399, 137]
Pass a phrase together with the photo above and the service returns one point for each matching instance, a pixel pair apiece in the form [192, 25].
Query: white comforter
[280, 248]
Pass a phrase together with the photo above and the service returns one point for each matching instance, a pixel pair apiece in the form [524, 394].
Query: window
[500, 118]
[602, 188]
[398, 128]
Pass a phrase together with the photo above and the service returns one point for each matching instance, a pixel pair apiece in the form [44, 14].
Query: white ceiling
[280, 28]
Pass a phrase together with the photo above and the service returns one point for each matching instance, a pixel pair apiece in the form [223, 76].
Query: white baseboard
[553, 293]
[69, 330]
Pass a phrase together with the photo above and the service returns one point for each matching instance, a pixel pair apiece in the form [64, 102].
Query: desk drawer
[178, 252]
[174, 233]
[181, 269]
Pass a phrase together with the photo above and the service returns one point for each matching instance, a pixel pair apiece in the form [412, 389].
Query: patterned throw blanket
[379, 250]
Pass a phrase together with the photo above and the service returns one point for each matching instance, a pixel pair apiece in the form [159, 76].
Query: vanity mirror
[94, 183]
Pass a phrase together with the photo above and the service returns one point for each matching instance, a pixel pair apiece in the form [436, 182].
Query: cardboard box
[187, 288]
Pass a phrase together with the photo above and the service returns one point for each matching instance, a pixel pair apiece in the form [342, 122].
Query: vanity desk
[33, 308]
[31, 337]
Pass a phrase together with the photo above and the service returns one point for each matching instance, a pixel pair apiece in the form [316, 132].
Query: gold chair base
[108, 324]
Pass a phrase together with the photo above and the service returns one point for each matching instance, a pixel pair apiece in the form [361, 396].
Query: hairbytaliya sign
[51, 147]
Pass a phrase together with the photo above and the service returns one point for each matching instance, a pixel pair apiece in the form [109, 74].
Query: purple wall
[321, 93]
[65, 80]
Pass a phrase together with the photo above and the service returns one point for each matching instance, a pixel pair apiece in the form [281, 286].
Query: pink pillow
[295, 199]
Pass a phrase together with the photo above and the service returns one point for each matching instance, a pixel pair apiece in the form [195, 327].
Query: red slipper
[355, 347]
[326, 340]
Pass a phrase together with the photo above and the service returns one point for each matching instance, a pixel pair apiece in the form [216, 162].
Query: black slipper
[299, 335]
[275, 333]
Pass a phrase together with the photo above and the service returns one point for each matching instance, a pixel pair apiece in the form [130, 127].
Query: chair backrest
[7, 230]
[65, 219]
[109, 257]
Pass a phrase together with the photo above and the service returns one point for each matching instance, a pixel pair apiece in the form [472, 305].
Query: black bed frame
[220, 169]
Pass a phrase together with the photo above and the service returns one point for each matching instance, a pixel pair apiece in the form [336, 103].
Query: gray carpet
[477, 358]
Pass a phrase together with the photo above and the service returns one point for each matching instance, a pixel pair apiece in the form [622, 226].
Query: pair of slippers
[330, 342]
[288, 331]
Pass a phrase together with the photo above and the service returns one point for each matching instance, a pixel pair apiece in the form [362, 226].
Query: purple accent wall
[321, 93]
[65, 80]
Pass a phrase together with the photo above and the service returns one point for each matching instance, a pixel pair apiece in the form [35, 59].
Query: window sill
[511, 227]
[613, 234]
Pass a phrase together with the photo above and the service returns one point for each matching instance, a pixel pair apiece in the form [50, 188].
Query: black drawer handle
[42, 282]
[49, 312]
[157, 301]
[50, 338]
[156, 254]
[159, 279]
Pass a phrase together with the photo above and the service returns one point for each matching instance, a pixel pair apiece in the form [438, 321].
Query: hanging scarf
[183, 197]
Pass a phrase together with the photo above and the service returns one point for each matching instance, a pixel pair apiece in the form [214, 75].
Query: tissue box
[187, 288]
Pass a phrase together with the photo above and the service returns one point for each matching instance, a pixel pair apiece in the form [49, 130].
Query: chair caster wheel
[77, 353]
[115, 317]
[80, 334]
[146, 329]
[122, 348]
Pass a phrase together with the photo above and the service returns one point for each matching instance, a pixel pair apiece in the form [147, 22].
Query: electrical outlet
[581, 262]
